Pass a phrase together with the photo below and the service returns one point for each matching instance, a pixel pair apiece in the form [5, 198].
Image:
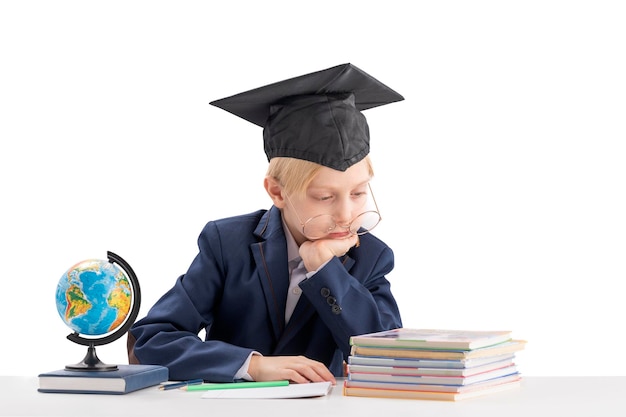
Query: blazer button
[331, 300]
[336, 309]
[325, 292]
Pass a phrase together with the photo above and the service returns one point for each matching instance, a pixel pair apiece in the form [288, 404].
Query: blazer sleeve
[168, 335]
[358, 299]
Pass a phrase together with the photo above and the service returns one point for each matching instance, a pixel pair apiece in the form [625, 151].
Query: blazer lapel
[271, 264]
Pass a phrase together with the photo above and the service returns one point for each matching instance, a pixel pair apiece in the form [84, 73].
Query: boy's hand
[315, 253]
[298, 369]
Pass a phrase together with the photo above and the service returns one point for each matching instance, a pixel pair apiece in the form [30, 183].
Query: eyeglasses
[322, 225]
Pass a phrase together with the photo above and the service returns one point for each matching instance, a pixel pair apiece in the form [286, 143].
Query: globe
[99, 300]
[94, 297]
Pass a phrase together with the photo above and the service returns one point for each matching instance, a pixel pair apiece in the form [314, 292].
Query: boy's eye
[325, 198]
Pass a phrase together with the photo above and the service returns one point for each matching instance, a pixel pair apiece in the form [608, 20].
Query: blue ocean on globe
[94, 297]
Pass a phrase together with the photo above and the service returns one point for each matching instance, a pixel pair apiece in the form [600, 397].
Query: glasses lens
[364, 222]
[319, 226]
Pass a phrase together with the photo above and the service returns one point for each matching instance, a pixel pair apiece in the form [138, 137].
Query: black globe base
[91, 362]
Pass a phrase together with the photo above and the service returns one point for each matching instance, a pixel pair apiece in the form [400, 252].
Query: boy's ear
[275, 191]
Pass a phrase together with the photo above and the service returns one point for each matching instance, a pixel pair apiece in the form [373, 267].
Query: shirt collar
[293, 252]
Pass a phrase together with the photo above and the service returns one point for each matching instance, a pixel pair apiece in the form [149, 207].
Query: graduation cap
[316, 117]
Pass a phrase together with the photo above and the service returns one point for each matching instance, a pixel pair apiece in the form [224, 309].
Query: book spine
[144, 380]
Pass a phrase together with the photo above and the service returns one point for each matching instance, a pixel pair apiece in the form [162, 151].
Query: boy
[279, 292]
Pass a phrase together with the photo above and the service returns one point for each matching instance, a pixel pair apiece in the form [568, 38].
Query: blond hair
[295, 175]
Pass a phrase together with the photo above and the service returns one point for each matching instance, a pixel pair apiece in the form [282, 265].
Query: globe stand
[91, 362]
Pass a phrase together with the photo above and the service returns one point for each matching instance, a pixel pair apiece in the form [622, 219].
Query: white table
[537, 397]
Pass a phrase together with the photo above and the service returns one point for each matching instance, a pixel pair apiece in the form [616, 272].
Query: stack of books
[432, 364]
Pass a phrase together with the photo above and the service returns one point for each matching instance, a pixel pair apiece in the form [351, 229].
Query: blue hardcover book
[127, 378]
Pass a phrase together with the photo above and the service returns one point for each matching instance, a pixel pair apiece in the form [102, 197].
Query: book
[433, 338]
[432, 387]
[352, 391]
[427, 363]
[312, 389]
[127, 378]
[418, 353]
[426, 371]
[430, 379]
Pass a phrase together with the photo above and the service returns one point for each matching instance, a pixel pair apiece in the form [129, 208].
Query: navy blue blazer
[236, 290]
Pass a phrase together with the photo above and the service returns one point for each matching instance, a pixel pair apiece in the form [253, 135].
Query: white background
[501, 177]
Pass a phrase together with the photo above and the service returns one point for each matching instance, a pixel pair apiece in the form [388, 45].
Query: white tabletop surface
[537, 396]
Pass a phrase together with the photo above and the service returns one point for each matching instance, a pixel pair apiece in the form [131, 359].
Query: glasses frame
[348, 226]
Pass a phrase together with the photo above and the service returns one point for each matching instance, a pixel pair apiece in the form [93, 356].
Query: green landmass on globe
[94, 297]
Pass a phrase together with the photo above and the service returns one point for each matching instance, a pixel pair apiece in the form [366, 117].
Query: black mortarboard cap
[316, 117]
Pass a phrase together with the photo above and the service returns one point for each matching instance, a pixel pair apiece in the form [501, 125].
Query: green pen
[233, 385]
